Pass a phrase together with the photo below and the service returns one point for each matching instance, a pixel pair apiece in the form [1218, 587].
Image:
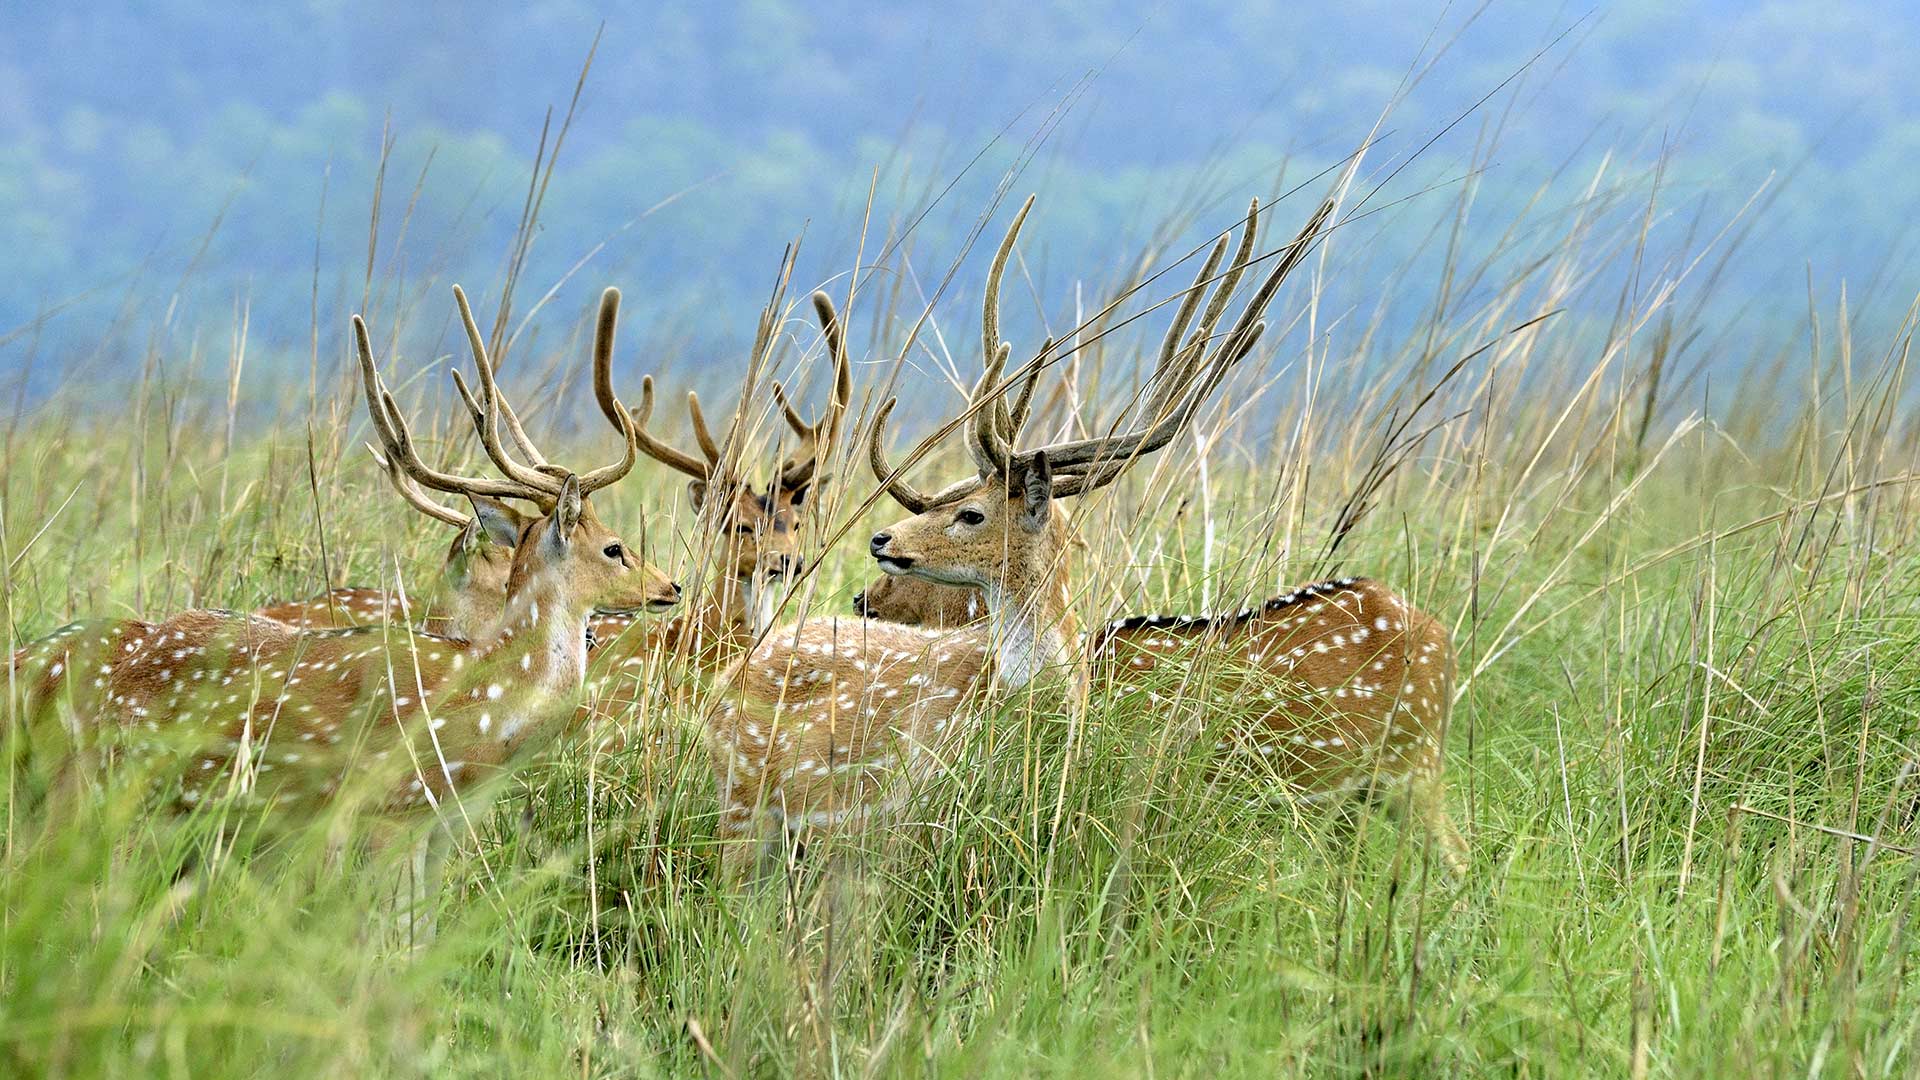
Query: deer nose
[879, 542]
[675, 586]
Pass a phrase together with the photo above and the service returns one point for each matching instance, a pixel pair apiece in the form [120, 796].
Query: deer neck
[465, 617]
[1032, 630]
[730, 610]
[750, 604]
[542, 638]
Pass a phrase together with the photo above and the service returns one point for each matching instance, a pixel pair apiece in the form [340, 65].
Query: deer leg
[1426, 800]
[741, 842]
[416, 906]
[417, 880]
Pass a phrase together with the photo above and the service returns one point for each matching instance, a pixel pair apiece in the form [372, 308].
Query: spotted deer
[832, 723]
[1282, 654]
[471, 593]
[1350, 685]
[755, 534]
[228, 703]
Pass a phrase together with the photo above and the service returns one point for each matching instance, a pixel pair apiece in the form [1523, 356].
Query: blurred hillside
[165, 167]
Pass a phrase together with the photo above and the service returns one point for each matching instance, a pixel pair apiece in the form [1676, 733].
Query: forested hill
[163, 164]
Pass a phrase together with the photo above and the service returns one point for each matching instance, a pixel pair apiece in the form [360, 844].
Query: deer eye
[970, 516]
[743, 529]
[613, 551]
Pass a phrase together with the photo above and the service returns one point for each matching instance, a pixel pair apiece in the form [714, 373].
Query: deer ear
[797, 494]
[495, 521]
[1037, 488]
[697, 494]
[566, 514]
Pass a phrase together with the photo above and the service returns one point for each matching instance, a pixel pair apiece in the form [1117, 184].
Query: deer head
[481, 556]
[758, 537]
[918, 602]
[583, 565]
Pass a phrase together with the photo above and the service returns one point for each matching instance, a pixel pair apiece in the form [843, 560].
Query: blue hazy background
[166, 166]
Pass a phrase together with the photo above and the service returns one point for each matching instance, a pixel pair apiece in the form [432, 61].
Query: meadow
[1681, 587]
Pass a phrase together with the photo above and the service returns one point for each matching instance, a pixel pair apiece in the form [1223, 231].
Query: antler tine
[1013, 421]
[1175, 370]
[799, 468]
[595, 479]
[700, 433]
[890, 478]
[414, 495]
[800, 427]
[894, 482]
[1195, 379]
[493, 396]
[1296, 253]
[391, 427]
[371, 384]
[842, 394]
[983, 425]
[1230, 281]
[660, 451]
[1190, 303]
[842, 397]
[604, 329]
[990, 305]
[983, 428]
[603, 335]
[491, 404]
[975, 449]
[818, 438]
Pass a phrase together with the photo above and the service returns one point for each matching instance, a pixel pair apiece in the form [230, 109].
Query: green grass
[1691, 661]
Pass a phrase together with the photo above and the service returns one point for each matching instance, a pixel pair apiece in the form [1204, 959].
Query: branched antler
[1187, 371]
[817, 439]
[540, 483]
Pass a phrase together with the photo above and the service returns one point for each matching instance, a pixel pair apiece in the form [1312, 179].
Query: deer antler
[1186, 374]
[604, 327]
[891, 478]
[492, 407]
[895, 482]
[416, 497]
[391, 428]
[660, 451]
[542, 488]
[989, 424]
[817, 439]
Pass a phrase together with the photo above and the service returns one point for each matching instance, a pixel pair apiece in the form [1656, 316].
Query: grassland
[1689, 635]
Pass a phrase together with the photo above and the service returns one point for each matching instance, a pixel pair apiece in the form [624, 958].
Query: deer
[471, 592]
[412, 725]
[756, 533]
[831, 724]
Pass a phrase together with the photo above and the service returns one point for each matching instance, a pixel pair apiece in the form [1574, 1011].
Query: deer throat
[763, 601]
[542, 641]
[1028, 640]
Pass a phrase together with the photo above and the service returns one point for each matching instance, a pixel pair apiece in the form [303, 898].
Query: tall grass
[1683, 748]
